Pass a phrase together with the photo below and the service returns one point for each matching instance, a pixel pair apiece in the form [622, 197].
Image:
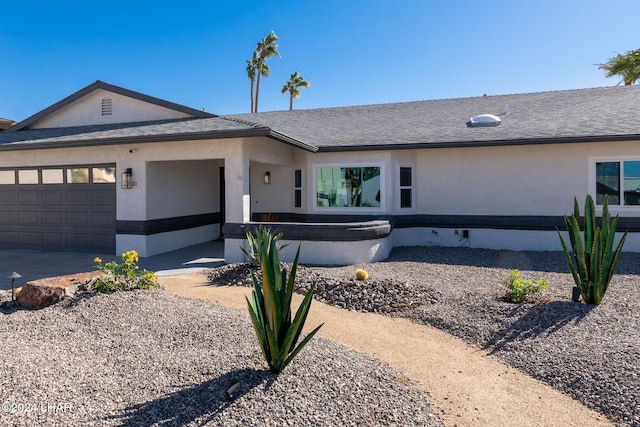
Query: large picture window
[348, 187]
[620, 181]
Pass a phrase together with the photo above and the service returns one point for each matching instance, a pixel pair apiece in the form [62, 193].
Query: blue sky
[352, 51]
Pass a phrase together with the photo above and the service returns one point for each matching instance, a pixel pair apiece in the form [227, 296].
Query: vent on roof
[107, 107]
[484, 120]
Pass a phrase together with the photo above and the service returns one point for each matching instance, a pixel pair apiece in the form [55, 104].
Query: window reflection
[632, 183]
[104, 175]
[77, 175]
[348, 187]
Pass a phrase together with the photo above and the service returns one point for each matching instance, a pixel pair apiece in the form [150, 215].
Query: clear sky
[352, 51]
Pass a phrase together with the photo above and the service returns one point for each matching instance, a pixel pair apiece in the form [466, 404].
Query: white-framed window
[349, 187]
[297, 188]
[7, 177]
[406, 183]
[619, 179]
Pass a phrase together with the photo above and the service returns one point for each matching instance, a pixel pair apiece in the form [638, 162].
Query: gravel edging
[590, 353]
[155, 358]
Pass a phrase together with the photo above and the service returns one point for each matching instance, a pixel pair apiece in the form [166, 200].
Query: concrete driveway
[34, 265]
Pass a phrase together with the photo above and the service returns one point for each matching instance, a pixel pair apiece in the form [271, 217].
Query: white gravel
[146, 358]
[589, 352]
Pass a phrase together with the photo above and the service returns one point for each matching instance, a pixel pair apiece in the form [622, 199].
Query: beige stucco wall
[88, 111]
[180, 188]
[181, 178]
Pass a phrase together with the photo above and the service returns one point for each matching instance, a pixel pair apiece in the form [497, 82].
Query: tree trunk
[258, 87]
[290, 101]
[252, 95]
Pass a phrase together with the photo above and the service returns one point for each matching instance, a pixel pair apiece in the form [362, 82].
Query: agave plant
[593, 259]
[263, 236]
[270, 308]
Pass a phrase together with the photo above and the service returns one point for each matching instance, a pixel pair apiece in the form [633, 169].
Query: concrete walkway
[34, 265]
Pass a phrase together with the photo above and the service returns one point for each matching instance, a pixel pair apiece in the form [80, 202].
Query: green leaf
[300, 346]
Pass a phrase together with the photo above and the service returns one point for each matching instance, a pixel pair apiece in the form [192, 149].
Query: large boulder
[45, 292]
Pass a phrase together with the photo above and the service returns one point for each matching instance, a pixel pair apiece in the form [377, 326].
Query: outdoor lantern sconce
[126, 179]
[267, 177]
[13, 276]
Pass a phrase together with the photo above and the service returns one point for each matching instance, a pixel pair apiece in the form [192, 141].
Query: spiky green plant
[593, 258]
[270, 308]
[263, 236]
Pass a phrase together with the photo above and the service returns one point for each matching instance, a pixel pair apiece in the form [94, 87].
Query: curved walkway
[465, 385]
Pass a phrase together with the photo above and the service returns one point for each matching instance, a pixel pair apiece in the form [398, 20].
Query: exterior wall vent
[107, 107]
[484, 120]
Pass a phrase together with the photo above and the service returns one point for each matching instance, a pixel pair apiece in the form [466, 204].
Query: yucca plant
[263, 235]
[593, 258]
[270, 308]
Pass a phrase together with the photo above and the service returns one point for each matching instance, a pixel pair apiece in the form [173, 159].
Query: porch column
[238, 203]
[238, 199]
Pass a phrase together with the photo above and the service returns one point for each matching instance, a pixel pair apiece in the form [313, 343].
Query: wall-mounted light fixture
[267, 177]
[126, 179]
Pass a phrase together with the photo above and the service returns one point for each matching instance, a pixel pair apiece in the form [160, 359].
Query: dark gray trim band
[498, 222]
[155, 226]
[325, 232]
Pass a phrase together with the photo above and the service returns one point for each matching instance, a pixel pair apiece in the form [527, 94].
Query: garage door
[69, 208]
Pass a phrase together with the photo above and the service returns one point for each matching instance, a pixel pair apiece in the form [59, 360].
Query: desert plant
[270, 308]
[262, 236]
[125, 276]
[519, 289]
[593, 258]
[361, 274]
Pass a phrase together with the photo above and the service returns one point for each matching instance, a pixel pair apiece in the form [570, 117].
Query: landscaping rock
[45, 292]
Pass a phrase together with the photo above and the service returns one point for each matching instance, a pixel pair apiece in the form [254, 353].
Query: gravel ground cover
[591, 353]
[146, 358]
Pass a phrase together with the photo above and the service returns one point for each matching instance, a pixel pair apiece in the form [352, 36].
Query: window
[297, 188]
[406, 187]
[77, 175]
[620, 181]
[7, 177]
[348, 187]
[28, 176]
[103, 175]
[52, 176]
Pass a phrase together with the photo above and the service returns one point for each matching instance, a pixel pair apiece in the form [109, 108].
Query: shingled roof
[544, 117]
[610, 113]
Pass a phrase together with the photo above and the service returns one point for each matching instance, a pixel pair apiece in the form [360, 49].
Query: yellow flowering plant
[124, 276]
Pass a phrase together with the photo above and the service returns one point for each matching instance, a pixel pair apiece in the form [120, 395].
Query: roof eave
[492, 143]
[241, 133]
[111, 88]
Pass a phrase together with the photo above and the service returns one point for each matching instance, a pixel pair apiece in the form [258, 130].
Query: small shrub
[361, 274]
[125, 276]
[519, 290]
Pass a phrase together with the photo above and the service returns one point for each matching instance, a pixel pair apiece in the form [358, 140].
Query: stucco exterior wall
[88, 111]
[180, 188]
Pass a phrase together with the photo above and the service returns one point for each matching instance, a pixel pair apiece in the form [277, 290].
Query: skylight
[484, 120]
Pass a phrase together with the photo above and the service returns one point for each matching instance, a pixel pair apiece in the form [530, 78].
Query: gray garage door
[59, 208]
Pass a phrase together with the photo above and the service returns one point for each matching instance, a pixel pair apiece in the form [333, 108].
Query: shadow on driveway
[33, 265]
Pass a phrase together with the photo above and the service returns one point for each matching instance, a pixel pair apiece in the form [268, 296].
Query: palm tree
[296, 81]
[252, 67]
[266, 49]
[627, 66]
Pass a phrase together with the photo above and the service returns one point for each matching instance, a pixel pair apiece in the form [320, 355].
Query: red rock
[45, 292]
